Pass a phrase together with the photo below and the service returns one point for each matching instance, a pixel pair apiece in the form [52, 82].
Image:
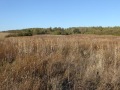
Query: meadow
[60, 62]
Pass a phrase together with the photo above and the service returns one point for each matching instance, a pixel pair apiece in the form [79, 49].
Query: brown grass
[74, 62]
[3, 35]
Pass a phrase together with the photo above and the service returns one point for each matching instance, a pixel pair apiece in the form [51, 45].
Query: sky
[19, 14]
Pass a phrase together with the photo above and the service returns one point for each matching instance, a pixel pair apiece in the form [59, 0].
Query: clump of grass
[74, 62]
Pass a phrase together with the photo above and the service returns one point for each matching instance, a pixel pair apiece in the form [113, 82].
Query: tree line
[65, 31]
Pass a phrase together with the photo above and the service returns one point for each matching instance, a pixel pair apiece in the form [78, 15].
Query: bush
[11, 35]
[76, 31]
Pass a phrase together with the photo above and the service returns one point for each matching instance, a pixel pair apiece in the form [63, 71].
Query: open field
[60, 62]
[2, 35]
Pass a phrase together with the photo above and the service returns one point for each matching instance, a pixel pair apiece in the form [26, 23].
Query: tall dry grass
[75, 62]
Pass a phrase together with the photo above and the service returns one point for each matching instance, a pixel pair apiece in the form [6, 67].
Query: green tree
[76, 31]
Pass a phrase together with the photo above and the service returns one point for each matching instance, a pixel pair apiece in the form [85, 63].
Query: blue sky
[18, 14]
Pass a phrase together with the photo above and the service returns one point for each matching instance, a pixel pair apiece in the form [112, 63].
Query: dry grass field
[2, 35]
[52, 62]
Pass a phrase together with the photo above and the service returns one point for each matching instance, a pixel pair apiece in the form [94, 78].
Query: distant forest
[65, 31]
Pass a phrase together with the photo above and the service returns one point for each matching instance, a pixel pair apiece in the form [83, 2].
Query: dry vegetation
[3, 35]
[73, 62]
